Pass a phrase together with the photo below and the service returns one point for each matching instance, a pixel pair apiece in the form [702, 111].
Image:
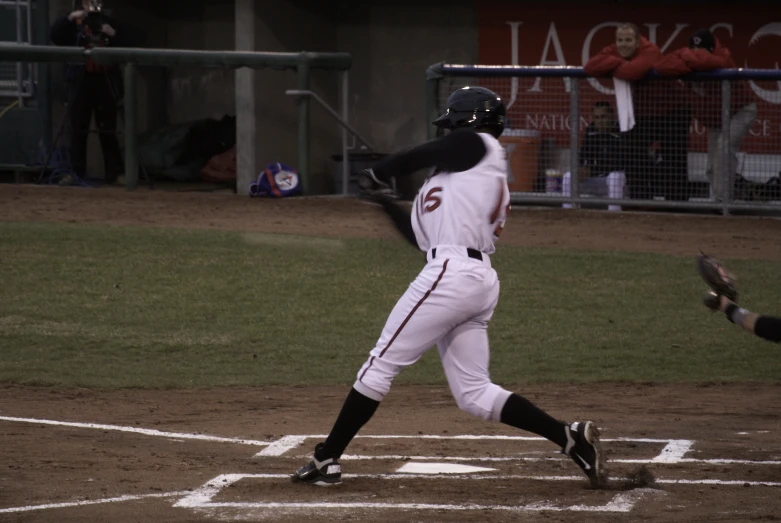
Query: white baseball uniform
[456, 218]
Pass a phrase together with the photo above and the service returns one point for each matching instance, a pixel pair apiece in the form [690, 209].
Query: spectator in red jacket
[705, 53]
[657, 146]
[629, 58]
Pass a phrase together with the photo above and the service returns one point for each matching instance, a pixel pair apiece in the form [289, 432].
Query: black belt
[472, 253]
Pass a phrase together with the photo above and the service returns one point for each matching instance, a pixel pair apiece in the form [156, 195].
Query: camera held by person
[94, 16]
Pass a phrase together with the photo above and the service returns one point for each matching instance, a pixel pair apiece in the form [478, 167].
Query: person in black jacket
[94, 88]
[601, 159]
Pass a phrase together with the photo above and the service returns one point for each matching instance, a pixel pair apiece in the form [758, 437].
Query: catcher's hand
[711, 300]
[372, 188]
[718, 278]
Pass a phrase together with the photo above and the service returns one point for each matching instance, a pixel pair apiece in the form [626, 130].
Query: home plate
[440, 468]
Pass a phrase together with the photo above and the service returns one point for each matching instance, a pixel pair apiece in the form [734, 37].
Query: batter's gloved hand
[372, 188]
[717, 276]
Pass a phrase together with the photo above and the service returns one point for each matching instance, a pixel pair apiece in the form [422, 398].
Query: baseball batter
[456, 217]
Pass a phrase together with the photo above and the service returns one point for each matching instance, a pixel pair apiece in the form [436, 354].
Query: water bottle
[552, 181]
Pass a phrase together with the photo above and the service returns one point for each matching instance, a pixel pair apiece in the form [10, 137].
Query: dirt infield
[134, 455]
[735, 237]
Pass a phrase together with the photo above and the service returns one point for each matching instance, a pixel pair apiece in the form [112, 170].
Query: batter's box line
[673, 451]
[657, 460]
[88, 502]
[202, 497]
[137, 430]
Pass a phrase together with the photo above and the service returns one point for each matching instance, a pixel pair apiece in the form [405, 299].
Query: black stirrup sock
[521, 413]
[356, 412]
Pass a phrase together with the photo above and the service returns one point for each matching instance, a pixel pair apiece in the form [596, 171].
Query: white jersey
[467, 208]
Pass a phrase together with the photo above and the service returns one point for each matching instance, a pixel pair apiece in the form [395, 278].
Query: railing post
[303, 124]
[432, 92]
[726, 173]
[43, 93]
[574, 136]
[131, 140]
[19, 68]
[345, 152]
[247, 153]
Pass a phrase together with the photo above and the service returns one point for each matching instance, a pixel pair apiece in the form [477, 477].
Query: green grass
[139, 307]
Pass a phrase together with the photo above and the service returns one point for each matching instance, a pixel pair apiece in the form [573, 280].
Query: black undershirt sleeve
[457, 151]
[769, 328]
[401, 219]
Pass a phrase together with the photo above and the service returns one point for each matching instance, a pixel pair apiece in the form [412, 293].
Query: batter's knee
[484, 402]
[375, 378]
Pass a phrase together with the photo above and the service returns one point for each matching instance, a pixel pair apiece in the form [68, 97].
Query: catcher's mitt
[718, 277]
[372, 188]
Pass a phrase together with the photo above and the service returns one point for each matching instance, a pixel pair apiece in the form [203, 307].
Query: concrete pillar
[246, 169]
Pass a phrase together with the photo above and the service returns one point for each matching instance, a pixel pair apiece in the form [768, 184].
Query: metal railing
[16, 80]
[674, 156]
[343, 123]
[303, 63]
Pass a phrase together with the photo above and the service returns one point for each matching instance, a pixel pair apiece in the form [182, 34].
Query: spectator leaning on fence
[705, 53]
[93, 87]
[601, 170]
[657, 145]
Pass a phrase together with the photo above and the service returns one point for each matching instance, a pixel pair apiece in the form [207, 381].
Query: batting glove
[372, 188]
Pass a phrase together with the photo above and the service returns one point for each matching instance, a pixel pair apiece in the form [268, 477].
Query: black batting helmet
[473, 107]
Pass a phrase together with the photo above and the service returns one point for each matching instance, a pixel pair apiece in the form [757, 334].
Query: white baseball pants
[449, 304]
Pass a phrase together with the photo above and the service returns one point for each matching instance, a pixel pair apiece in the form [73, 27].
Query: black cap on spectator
[704, 39]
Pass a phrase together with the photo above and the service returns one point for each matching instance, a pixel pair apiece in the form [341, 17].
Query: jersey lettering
[464, 208]
[431, 202]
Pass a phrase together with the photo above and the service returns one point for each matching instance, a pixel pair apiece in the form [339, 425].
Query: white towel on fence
[626, 109]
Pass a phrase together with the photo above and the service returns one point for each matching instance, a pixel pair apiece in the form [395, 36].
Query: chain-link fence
[659, 142]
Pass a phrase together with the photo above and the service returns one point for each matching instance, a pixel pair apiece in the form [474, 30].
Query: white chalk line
[521, 457]
[288, 443]
[624, 502]
[282, 445]
[481, 437]
[674, 449]
[136, 430]
[86, 502]
[672, 453]
[652, 461]
[202, 498]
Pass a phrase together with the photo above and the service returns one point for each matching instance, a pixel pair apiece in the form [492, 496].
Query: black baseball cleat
[584, 448]
[321, 473]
